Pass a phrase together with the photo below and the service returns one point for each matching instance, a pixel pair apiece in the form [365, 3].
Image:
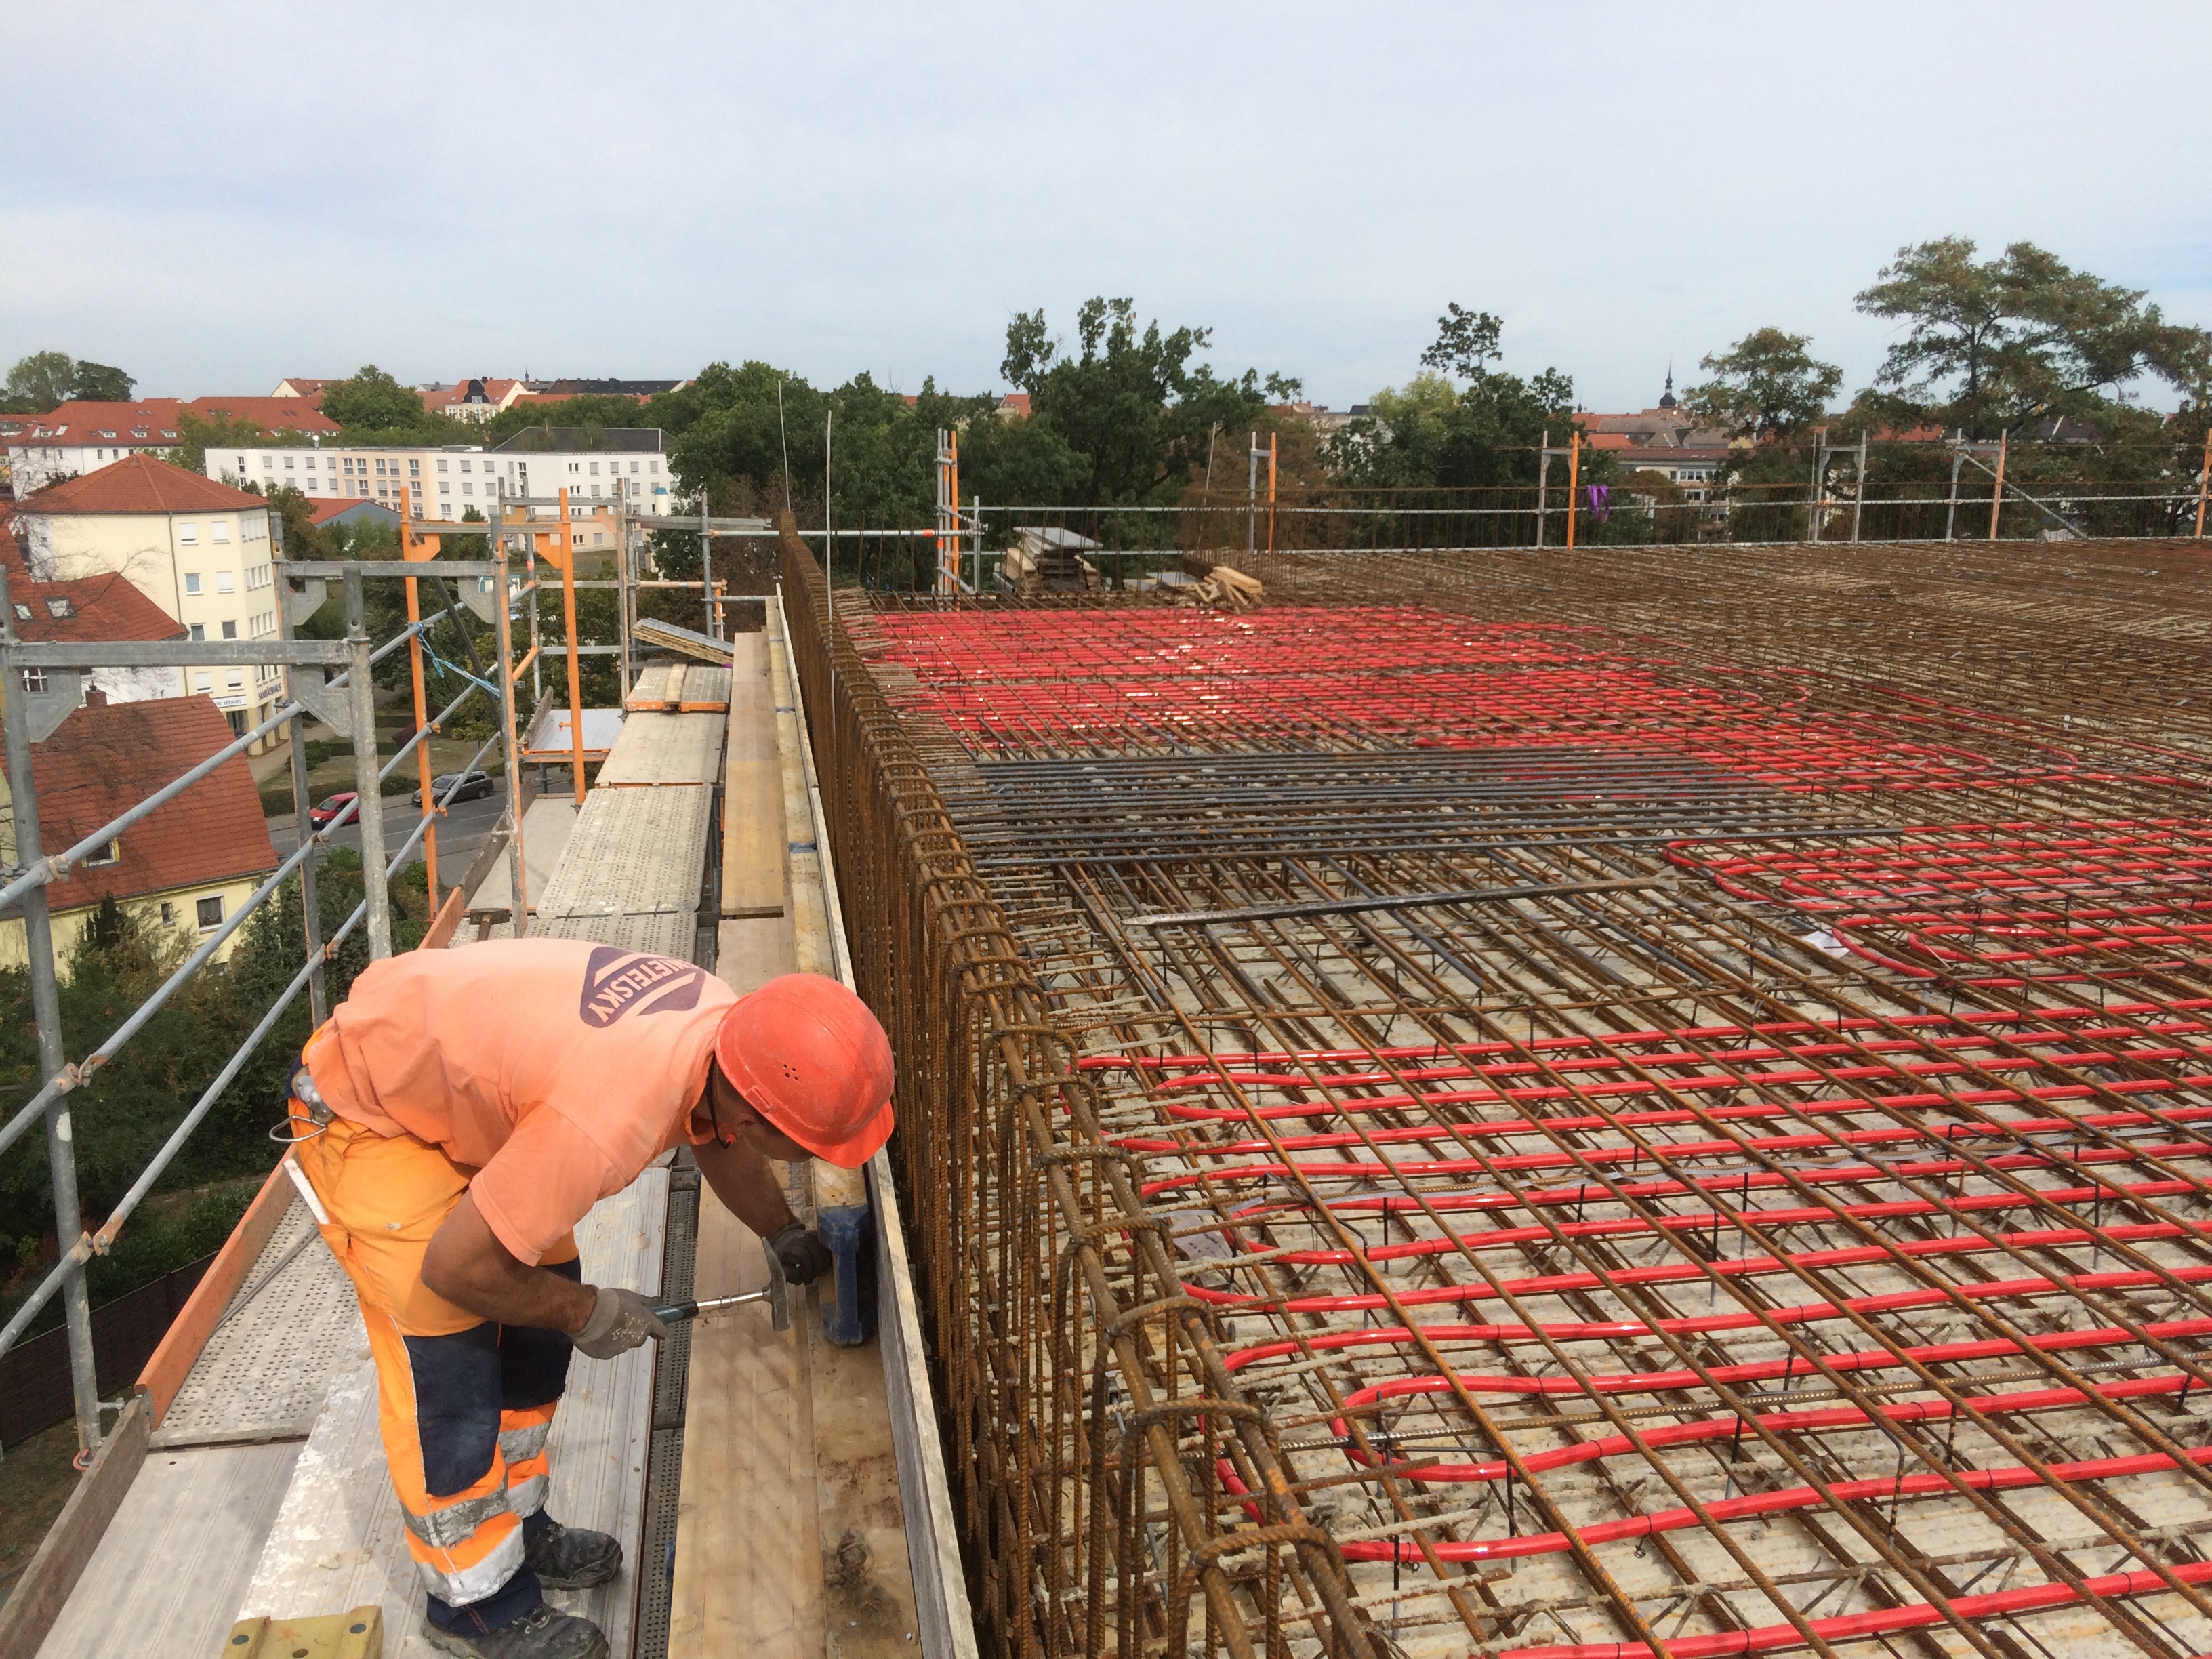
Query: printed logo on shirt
[618, 981]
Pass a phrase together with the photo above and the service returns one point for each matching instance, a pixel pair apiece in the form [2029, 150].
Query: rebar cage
[1338, 1044]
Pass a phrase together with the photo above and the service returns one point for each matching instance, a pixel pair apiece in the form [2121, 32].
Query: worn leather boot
[571, 1558]
[541, 1633]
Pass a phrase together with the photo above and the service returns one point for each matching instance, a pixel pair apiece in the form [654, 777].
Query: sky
[219, 195]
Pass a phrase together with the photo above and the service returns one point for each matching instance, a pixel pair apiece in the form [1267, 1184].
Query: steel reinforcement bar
[1093, 1423]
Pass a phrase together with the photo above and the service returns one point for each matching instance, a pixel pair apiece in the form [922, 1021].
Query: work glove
[621, 1320]
[801, 1253]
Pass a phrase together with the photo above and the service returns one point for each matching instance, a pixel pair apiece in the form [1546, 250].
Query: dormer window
[61, 608]
[111, 853]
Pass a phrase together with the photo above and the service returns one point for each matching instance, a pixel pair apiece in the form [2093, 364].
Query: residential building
[1665, 439]
[320, 469]
[186, 867]
[639, 390]
[103, 607]
[202, 551]
[77, 438]
[299, 385]
[477, 398]
[593, 464]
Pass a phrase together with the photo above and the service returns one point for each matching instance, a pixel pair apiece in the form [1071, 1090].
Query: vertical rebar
[311, 920]
[46, 1012]
[1858, 495]
[368, 797]
[1543, 482]
[408, 542]
[1951, 517]
[1996, 492]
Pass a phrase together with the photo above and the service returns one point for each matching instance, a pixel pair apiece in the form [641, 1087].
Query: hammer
[777, 1295]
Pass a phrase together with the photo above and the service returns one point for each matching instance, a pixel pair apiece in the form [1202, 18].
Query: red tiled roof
[271, 414]
[139, 483]
[102, 607]
[305, 387]
[1015, 403]
[107, 757]
[150, 421]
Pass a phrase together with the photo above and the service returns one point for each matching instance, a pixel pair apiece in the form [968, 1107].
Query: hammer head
[779, 1291]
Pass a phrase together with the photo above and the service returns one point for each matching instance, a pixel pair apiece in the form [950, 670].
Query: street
[461, 832]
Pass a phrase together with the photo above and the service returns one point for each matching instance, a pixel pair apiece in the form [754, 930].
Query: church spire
[1667, 398]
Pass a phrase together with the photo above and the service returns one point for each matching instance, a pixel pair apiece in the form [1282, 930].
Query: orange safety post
[568, 615]
[416, 549]
[1271, 494]
[1574, 474]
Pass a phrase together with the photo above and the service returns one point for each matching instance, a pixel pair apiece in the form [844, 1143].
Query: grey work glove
[801, 1253]
[620, 1321]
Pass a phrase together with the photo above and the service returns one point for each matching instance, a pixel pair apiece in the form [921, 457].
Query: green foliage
[1992, 345]
[372, 401]
[1431, 434]
[37, 382]
[1765, 386]
[99, 383]
[1131, 408]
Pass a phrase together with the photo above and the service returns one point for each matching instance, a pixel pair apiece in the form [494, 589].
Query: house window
[237, 676]
[441, 463]
[168, 914]
[199, 631]
[220, 529]
[226, 581]
[465, 467]
[595, 469]
[287, 463]
[210, 912]
[201, 682]
[111, 853]
[230, 630]
[415, 469]
[188, 533]
[34, 680]
[191, 581]
[60, 607]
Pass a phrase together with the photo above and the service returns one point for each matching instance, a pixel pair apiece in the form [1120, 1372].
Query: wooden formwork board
[698, 686]
[650, 689]
[662, 749]
[754, 832]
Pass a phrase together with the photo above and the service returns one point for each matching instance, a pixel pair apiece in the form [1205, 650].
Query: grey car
[474, 786]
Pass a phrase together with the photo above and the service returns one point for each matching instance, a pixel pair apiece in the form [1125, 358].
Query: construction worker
[456, 1117]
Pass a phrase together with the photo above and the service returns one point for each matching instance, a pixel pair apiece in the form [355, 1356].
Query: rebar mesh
[1449, 1122]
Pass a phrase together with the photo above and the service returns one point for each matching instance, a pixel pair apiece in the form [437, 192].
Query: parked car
[320, 817]
[474, 786]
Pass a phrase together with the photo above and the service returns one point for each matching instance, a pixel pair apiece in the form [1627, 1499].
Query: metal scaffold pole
[517, 858]
[46, 1013]
[575, 670]
[368, 786]
[311, 920]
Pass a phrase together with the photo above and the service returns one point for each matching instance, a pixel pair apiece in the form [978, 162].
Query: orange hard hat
[806, 1055]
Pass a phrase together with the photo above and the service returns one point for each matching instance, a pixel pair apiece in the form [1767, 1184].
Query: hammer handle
[672, 1312]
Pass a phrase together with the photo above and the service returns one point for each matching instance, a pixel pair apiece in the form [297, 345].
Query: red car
[320, 816]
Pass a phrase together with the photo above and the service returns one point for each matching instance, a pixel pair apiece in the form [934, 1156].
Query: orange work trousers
[465, 1405]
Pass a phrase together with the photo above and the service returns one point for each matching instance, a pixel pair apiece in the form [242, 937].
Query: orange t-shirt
[556, 1069]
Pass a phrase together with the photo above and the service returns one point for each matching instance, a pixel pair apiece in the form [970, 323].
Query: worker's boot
[541, 1633]
[570, 1558]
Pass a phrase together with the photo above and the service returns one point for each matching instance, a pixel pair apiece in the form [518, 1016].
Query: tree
[38, 383]
[1131, 408]
[372, 401]
[1765, 386]
[98, 383]
[1990, 345]
[1432, 433]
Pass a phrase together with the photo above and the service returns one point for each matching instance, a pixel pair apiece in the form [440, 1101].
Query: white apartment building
[445, 481]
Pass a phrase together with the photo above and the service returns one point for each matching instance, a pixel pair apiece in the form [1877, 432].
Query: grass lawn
[330, 764]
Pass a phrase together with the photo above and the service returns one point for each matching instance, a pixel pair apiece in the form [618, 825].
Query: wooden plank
[748, 1568]
[704, 688]
[439, 933]
[749, 952]
[197, 1519]
[171, 1362]
[44, 1589]
[753, 828]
